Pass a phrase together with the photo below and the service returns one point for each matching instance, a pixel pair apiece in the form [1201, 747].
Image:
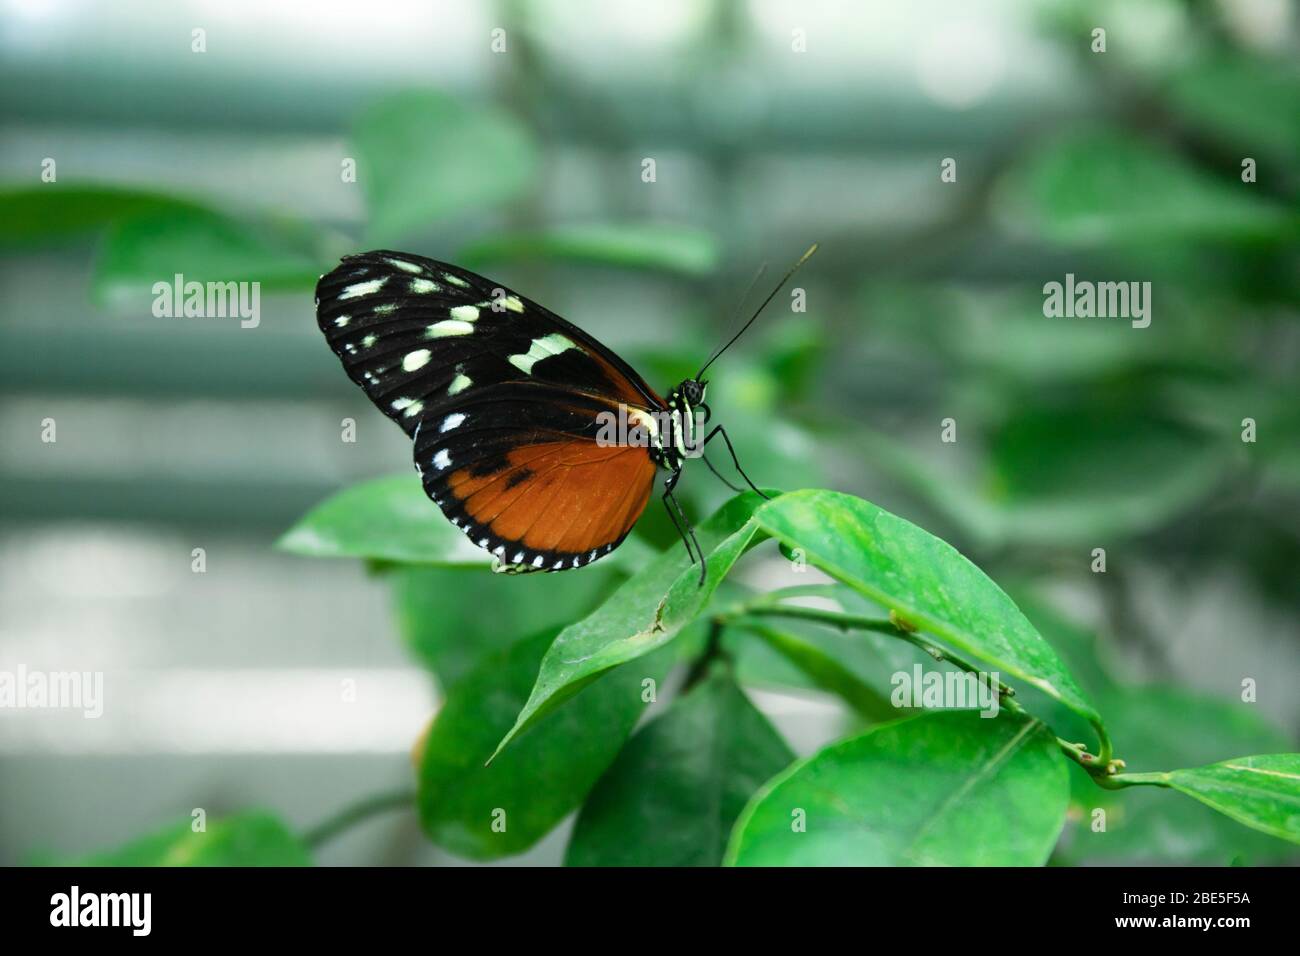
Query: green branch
[356, 813]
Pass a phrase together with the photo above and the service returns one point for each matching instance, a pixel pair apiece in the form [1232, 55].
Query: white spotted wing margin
[484, 379]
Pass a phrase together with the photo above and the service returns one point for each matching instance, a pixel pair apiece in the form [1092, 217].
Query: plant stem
[713, 651]
[361, 810]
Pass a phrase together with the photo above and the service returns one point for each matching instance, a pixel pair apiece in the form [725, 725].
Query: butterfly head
[691, 391]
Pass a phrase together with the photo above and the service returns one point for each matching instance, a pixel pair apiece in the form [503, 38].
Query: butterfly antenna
[740, 303]
[784, 279]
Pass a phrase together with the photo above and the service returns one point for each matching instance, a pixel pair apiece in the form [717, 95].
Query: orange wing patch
[562, 500]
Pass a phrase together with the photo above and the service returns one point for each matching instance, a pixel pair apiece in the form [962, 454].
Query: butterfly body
[505, 403]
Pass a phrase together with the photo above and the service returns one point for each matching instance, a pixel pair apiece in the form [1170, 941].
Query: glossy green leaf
[660, 246]
[385, 519]
[56, 212]
[203, 246]
[252, 838]
[487, 812]
[925, 580]
[642, 615]
[424, 157]
[1156, 728]
[1105, 186]
[674, 792]
[940, 789]
[1262, 792]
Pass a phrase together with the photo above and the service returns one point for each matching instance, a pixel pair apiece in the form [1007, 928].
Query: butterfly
[536, 441]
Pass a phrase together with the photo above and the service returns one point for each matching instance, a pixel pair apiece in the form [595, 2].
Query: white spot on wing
[455, 280]
[405, 266]
[545, 347]
[451, 421]
[409, 407]
[459, 384]
[423, 286]
[342, 321]
[414, 361]
[363, 288]
[466, 313]
[448, 327]
[442, 460]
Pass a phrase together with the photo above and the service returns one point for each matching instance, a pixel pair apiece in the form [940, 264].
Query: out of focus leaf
[384, 519]
[675, 790]
[1104, 186]
[940, 789]
[203, 246]
[52, 213]
[424, 157]
[658, 246]
[1245, 100]
[452, 618]
[1083, 474]
[251, 838]
[487, 812]
[820, 669]
[1061, 477]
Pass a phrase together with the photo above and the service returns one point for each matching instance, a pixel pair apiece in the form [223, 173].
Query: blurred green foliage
[1072, 434]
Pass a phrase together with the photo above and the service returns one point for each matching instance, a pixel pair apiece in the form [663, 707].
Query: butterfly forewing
[501, 397]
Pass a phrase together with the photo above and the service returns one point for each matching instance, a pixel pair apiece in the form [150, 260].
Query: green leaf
[674, 792]
[54, 213]
[204, 246]
[660, 246]
[424, 157]
[1156, 728]
[252, 838]
[642, 615]
[1262, 792]
[1104, 186]
[925, 580]
[825, 671]
[548, 771]
[440, 611]
[941, 789]
[1247, 100]
[1045, 479]
[385, 519]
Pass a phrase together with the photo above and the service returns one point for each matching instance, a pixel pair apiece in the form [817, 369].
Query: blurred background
[216, 140]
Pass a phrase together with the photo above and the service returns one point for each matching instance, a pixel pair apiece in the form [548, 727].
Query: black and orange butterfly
[506, 403]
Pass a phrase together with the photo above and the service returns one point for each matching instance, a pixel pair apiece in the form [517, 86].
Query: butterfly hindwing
[501, 397]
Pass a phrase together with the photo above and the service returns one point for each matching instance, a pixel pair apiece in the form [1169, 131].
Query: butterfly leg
[719, 430]
[675, 512]
[719, 475]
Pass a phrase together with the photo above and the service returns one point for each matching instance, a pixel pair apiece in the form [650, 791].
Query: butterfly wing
[501, 397]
